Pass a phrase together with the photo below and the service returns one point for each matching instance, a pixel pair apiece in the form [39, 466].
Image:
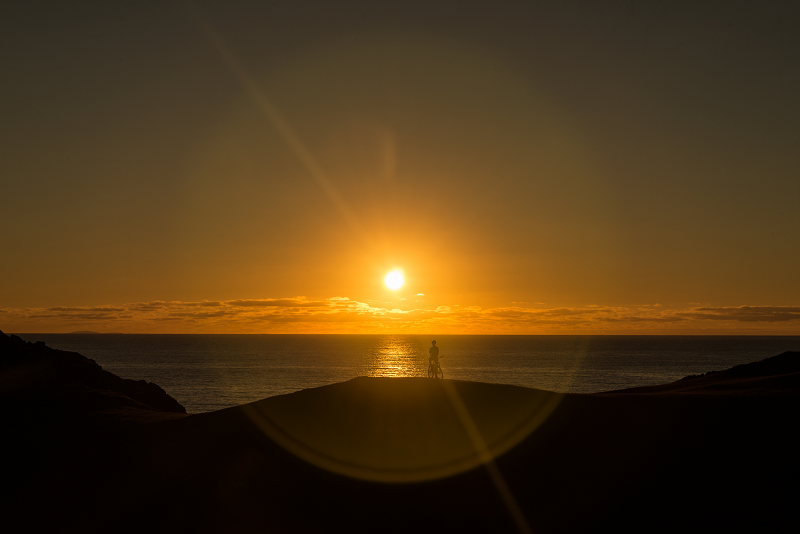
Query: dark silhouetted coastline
[89, 450]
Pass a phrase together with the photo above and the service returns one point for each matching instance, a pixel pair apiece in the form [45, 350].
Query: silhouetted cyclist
[434, 353]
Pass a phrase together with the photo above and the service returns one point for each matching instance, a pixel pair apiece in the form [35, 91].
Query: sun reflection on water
[396, 356]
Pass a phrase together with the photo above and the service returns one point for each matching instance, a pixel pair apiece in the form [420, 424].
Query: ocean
[210, 372]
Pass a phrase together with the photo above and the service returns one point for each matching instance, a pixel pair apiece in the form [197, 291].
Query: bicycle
[435, 370]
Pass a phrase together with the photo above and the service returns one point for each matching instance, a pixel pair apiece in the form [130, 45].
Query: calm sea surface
[211, 372]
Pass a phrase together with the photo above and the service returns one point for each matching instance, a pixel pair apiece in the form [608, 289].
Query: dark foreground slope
[718, 455]
[34, 375]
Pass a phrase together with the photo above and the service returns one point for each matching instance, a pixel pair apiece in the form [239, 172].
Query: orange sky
[555, 169]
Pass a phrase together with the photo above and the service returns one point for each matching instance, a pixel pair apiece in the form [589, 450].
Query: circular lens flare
[394, 280]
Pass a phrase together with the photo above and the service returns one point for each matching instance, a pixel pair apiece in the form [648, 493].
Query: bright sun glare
[394, 280]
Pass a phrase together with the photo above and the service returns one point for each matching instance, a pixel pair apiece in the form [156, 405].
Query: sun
[394, 280]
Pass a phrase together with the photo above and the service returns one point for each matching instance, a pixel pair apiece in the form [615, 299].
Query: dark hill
[471, 457]
[34, 374]
[775, 376]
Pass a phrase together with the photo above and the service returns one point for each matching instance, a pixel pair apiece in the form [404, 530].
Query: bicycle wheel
[439, 372]
[430, 371]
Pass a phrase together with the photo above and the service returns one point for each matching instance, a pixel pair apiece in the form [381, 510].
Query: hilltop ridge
[775, 376]
[35, 374]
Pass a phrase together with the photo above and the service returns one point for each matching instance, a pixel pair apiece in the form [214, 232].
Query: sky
[531, 167]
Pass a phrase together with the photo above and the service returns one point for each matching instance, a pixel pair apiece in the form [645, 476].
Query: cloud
[343, 315]
[277, 303]
[199, 315]
[633, 319]
[85, 309]
[770, 314]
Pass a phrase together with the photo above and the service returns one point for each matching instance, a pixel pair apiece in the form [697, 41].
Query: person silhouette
[434, 353]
